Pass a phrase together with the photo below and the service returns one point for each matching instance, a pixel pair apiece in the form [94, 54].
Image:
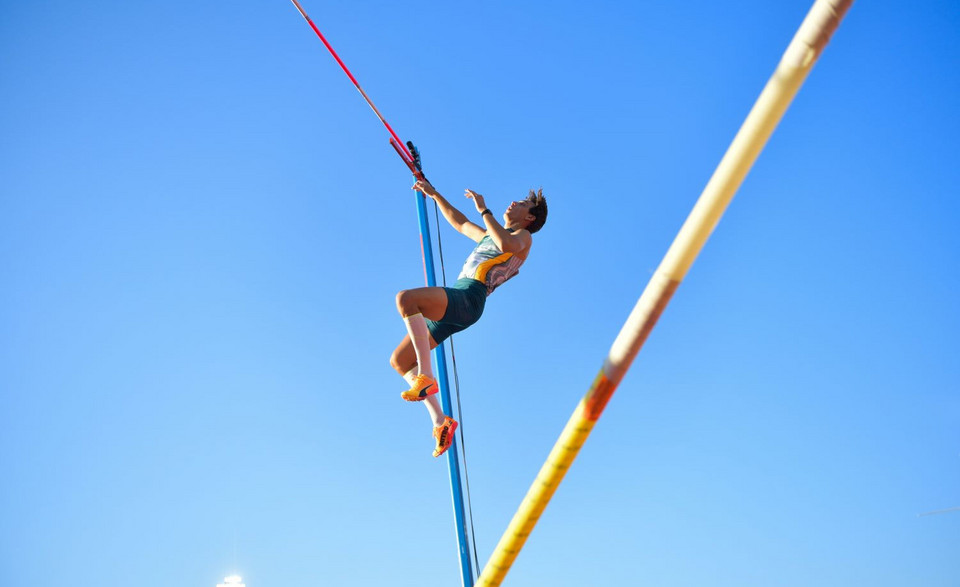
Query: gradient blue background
[202, 228]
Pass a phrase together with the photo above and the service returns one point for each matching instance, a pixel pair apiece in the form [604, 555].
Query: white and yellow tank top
[489, 265]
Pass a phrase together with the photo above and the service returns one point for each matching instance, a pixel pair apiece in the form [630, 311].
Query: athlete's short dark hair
[539, 210]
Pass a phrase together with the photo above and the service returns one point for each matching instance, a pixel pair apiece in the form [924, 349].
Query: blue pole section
[440, 359]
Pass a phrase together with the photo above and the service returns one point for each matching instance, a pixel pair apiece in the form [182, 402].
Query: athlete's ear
[530, 218]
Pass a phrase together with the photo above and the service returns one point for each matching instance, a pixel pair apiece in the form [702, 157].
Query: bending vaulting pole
[395, 140]
[822, 20]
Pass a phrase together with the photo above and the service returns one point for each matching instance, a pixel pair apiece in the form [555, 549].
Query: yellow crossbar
[817, 28]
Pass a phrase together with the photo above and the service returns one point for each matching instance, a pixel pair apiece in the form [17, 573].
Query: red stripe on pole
[413, 168]
[404, 152]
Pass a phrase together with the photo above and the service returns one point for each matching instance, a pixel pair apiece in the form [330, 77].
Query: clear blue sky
[202, 229]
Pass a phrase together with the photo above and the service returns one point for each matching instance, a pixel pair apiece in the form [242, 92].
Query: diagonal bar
[394, 139]
[814, 33]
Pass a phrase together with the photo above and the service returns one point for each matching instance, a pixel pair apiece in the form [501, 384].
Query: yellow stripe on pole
[814, 33]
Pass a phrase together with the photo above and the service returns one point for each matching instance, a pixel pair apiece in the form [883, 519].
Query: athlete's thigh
[430, 301]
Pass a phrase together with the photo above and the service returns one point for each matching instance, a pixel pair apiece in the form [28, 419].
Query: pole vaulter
[814, 34]
[412, 161]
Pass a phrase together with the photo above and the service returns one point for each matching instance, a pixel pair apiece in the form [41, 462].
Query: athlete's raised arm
[512, 238]
[455, 217]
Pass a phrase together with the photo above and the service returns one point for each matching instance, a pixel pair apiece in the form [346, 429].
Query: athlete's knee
[406, 303]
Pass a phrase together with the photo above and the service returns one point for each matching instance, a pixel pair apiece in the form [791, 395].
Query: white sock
[410, 375]
[433, 408]
[431, 401]
[420, 337]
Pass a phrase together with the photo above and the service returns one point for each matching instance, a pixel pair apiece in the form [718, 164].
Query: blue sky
[202, 228]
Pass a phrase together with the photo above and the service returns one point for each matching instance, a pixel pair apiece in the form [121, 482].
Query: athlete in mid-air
[431, 314]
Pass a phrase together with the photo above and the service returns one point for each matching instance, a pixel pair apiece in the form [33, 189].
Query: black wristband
[485, 211]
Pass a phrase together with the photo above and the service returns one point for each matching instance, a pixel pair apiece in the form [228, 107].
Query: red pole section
[400, 146]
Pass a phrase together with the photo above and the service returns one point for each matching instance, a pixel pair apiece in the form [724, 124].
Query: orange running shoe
[422, 387]
[444, 435]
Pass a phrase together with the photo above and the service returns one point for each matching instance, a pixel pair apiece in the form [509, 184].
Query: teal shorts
[465, 301]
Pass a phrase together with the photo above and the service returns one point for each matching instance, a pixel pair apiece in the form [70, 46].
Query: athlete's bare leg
[429, 301]
[404, 357]
[411, 358]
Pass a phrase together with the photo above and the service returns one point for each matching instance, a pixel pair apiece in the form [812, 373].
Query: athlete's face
[518, 211]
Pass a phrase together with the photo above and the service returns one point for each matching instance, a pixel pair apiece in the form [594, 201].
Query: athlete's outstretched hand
[426, 187]
[477, 200]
